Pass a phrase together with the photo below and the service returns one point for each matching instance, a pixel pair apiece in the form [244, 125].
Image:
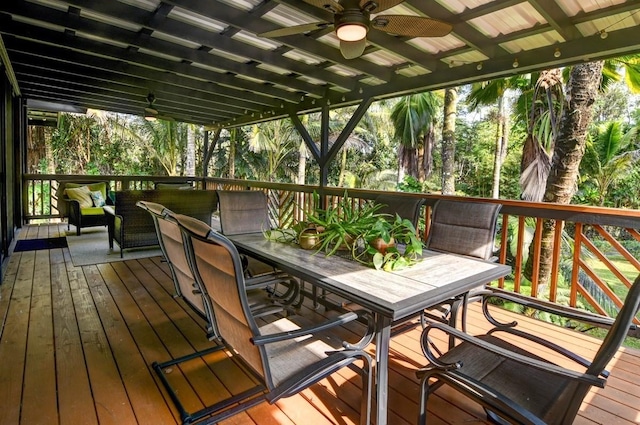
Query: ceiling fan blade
[298, 29]
[411, 26]
[328, 5]
[151, 111]
[380, 5]
[352, 49]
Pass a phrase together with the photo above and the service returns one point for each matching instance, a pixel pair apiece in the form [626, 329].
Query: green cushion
[81, 194]
[101, 186]
[174, 186]
[92, 211]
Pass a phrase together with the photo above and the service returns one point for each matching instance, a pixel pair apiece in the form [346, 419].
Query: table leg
[383, 335]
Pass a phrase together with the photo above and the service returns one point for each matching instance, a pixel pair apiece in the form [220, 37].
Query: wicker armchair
[132, 227]
[499, 371]
[86, 215]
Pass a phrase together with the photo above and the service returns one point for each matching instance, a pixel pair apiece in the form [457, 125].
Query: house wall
[10, 124]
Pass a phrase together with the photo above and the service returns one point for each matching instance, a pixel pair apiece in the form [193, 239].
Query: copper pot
[308, 238]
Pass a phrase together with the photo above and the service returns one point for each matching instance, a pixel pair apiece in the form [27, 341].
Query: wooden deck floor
[76, 345]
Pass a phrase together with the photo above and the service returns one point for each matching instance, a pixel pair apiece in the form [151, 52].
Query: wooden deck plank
[113, 303]
[165, 342]
[39, 401]
[75, 399]
[109, 322]
[110, 397]
[13, 345]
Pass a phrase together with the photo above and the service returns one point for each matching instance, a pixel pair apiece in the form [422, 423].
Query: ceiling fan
[352, 21]
[151, 113]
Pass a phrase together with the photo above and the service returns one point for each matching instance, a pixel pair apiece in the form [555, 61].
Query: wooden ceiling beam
[238, 18]
[221, 42]
[165, 48]
[165, 102]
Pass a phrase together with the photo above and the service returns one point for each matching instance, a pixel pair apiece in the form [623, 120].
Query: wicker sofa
[131, 227]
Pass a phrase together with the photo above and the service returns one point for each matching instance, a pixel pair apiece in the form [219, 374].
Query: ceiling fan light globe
[351, 32]
[150, 118]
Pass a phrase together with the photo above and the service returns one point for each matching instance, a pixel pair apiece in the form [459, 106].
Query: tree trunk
[190, 168]
[232, 154]
[407, 162]
[581, 93]
[427, 159]
[501, 148]
[302, 163]
[449, 142]
[343, 167]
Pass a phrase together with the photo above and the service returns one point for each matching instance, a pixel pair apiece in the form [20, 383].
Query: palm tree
[585, 82]
[607, 158]
[489, 93]
[545, 106]
[278, 140]
[190, 166]
[448, 141]
[413, 117]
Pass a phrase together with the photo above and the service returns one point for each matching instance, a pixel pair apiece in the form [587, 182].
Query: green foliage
[410, 184]
[474, 157]
[391, 230]
[609, 157]
[347, 225]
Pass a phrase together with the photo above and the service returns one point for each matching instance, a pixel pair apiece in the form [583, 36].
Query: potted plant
[390, 244]
[342, 224]
[378, 240]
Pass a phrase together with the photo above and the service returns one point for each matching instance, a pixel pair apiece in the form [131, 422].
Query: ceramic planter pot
[381, 246]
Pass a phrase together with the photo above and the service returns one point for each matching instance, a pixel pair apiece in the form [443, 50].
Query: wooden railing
[595, 257]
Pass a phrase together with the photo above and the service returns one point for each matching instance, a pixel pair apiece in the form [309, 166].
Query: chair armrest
[73, 204]
[332, 323]
[265, 280]
[544, 366]
[542, 305]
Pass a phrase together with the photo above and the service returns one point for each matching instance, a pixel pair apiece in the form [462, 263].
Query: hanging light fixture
[352, 32]
[352, 26]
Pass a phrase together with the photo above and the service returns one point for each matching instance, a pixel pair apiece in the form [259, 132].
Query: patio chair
[285, 355]
[500, 371]
[465, 228]
[405, 207]
[186, 286]
[172, 246]
[245, 211]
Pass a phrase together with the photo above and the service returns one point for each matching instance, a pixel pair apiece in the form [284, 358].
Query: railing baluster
[555, 265]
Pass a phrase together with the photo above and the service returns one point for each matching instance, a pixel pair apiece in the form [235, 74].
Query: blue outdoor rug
[37, 244]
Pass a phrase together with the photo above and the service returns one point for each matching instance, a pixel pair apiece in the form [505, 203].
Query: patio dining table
[390, 296]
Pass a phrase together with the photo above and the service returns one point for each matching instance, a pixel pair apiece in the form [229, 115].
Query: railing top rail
[576, 213]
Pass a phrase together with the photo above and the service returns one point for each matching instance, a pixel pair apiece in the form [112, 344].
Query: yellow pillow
[81, 194]
[101, 186]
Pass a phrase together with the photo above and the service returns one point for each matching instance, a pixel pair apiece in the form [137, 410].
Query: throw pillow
[98, 199]
[81, 194]
[174, 186]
